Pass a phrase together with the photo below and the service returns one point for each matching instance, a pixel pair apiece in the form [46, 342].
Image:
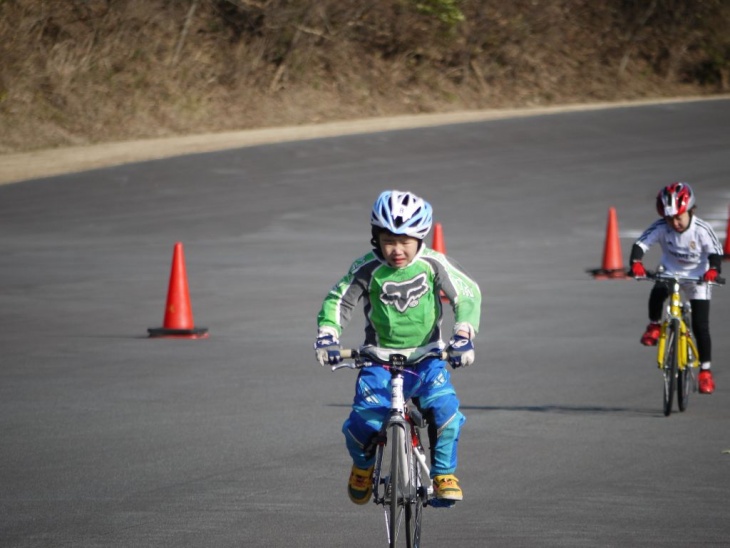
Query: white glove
[461, 351]
[327, 348]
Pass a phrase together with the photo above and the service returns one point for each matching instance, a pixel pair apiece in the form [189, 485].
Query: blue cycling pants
[431, 385]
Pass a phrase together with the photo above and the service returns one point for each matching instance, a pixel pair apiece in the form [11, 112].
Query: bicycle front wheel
[683, 384]
[685, 378]
[669, 365]
[402, 509]
[419, 494]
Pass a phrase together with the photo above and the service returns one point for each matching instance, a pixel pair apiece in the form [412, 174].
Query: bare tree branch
[184, 33]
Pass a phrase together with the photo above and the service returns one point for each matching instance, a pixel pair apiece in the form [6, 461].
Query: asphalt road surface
[112, 439]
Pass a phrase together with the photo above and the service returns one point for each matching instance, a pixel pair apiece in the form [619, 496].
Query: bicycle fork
[397, 417]
[688, 355]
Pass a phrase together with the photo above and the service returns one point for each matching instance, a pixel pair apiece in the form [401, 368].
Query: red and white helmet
[675, 199]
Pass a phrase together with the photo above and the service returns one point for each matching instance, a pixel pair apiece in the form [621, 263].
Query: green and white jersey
[402, 306]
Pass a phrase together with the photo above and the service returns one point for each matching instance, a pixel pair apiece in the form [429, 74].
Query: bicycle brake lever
[351, 365]
[343, 365]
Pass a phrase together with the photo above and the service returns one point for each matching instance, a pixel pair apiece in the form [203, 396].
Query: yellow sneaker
[360, 486]
[446, 487]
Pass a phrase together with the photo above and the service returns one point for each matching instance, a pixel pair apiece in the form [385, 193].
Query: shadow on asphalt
[557, 409]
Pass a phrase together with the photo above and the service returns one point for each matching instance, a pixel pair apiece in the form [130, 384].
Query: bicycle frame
[675, 312]
[404, 418]
[401, 484]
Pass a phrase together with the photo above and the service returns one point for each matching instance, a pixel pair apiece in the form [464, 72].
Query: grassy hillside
[87, 71]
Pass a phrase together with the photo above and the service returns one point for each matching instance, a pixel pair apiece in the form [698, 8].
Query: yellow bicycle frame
[685, 340]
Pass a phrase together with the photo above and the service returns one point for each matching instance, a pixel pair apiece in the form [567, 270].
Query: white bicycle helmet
[402, 213]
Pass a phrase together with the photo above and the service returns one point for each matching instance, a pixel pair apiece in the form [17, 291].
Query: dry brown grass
[90, 71]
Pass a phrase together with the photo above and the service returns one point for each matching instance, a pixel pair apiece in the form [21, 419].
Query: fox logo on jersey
[404, 295]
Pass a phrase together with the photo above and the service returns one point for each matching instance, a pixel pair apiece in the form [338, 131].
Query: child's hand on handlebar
[638, 270]
[710, 275]
[327, 349]
[461, 351]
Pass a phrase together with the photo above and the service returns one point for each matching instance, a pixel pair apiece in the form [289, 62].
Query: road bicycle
[401, 480]
[677, 355]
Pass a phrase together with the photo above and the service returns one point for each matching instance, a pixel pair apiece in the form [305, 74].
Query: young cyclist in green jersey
[400, 283]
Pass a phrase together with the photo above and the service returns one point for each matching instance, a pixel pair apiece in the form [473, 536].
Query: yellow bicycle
[677, 355]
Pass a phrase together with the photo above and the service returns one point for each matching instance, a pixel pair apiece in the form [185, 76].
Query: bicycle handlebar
[363, 358]
[661, 276]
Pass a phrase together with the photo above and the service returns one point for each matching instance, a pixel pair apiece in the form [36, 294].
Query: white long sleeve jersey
[684, 253]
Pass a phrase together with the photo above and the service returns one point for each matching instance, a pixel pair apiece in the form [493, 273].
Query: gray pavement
[113, 439]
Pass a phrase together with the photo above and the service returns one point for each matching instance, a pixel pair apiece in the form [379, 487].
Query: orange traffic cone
[613, 266]
[726, 250]
[178, 320]
[438, 239]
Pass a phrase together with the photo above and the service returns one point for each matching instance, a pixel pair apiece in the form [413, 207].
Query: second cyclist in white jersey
[690, 248]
